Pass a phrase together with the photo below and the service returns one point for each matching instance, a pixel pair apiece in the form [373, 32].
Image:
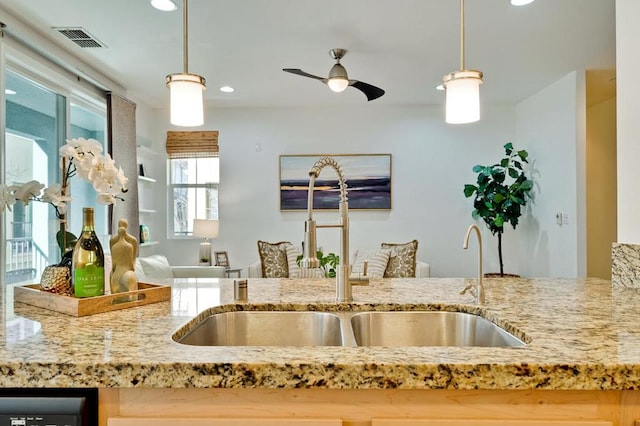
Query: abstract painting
[368, 179]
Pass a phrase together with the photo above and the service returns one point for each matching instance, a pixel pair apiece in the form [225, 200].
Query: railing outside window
[25, 260]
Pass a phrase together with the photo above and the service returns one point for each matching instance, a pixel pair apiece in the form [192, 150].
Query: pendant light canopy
[185, 89]
[462, 88]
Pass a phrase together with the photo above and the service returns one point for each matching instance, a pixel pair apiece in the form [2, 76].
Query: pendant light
[462, 88]
[186, 90]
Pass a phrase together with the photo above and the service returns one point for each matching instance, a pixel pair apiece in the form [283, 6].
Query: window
[194, 177]
[194, 191]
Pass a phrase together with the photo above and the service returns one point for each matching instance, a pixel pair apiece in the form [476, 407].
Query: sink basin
[309, 328]
[437, 328]
[266, 328]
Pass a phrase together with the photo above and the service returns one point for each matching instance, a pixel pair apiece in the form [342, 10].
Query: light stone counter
[581, 334]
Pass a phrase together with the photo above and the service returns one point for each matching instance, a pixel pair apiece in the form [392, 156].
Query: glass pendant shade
[462, 97]
[338, 84]
[186, 93]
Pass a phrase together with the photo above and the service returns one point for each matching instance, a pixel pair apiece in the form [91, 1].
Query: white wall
[431, 162]
[628, 125]
[550, 125]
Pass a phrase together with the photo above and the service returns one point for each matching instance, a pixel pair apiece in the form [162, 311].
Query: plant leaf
[513, 173]
[469, 190]
[477, 168]
[71, 241]
[527, 185]
[508, 147]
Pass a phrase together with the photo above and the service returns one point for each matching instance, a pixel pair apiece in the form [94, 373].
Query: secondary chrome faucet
[478, 291]
[309, 259]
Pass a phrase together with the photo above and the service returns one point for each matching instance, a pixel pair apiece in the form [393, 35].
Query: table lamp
[205, 228]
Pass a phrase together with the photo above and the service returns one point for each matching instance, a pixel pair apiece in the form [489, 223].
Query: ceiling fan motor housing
[338, 71]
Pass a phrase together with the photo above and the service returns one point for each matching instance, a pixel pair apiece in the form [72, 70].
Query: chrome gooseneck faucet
[309, 259]
[477, 292]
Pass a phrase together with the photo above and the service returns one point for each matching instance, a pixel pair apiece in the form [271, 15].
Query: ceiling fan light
[186, 93]
[462, 90]
[338, 84]
[338, 79]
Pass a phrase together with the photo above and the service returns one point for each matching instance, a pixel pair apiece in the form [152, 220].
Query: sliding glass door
[38, 120]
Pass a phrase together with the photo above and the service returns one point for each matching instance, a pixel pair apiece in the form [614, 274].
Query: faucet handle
[359, 278]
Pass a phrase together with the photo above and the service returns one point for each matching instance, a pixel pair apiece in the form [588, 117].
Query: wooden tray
[80, 307]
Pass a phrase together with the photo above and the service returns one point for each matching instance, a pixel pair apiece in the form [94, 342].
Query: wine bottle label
[88, 281]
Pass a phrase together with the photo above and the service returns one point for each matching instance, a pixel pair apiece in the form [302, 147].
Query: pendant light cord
[461, 35]
[186, 36]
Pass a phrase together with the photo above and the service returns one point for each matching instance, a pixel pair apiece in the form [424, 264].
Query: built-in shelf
[147, 211]
[149, 243]
[146, 179]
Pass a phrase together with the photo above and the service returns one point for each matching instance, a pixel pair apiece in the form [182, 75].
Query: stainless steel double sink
[371, 328]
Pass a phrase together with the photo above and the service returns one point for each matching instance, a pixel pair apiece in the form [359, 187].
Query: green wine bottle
[88, 260]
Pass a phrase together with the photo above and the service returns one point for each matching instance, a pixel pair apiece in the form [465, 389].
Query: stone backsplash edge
[625, 265]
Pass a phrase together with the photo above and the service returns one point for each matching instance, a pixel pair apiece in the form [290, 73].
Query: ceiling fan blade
[371, 92]
[298, 71]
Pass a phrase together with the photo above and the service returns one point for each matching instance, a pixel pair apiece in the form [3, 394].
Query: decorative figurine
[123, 277]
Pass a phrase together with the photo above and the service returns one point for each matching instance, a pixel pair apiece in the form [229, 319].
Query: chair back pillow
[295, 271]
[377, 262]
[402, 262]
[273, 258]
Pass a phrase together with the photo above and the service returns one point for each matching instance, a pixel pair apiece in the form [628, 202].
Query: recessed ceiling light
[521, 2]
[9, 92]
[227, 89]
[164, 5]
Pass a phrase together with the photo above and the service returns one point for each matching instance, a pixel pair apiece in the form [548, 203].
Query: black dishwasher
[48, 407]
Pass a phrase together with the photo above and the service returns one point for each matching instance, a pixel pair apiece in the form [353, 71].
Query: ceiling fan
[338, 79]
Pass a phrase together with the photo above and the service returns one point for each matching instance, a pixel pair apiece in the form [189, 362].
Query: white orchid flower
[93, 146]
[122, 180]
[86, 160]
[53, 195]
[68, 151]
[7, 197]
[28, 191]
[106, 198]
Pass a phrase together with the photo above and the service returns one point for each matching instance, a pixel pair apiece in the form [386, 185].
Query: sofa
[423, 270]
[391, 260]
[157, 267]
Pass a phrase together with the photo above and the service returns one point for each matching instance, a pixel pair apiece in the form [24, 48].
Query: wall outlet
[562, 219]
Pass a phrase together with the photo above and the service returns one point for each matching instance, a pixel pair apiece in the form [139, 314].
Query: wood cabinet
[374, 407]
[213, 421]
[468, 422]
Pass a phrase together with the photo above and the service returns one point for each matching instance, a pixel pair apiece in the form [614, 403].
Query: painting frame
[222, 259]
[368, 176]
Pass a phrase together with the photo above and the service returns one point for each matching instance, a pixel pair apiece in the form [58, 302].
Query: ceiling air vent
[80, 36]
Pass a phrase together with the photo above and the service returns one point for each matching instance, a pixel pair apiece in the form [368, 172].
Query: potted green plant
[328, 263]
[500, 192]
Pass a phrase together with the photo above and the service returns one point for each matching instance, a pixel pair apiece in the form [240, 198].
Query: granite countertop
[580, 334]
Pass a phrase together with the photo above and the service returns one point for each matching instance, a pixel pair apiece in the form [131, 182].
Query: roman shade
[192, 144]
